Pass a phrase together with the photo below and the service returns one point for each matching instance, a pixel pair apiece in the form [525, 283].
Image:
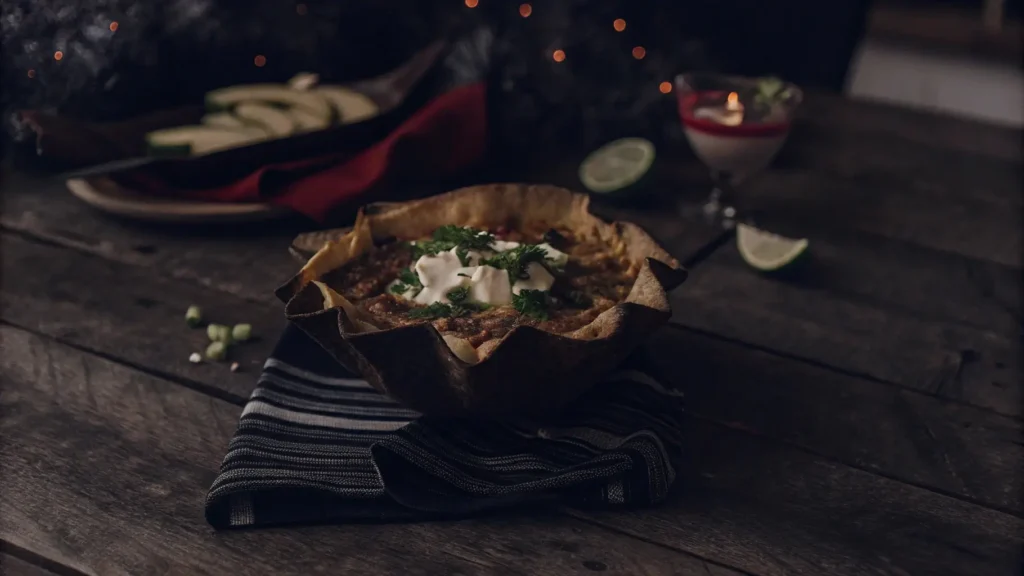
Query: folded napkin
[444, 137]
[316, 444]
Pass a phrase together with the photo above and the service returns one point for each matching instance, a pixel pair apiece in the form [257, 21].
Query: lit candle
[730, 115]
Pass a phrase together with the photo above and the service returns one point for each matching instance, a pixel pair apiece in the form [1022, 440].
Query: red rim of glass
[762, 130]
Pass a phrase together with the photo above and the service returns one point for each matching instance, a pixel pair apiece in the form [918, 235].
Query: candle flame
[733, 98]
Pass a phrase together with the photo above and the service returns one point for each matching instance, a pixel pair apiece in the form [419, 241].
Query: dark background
[164, 54]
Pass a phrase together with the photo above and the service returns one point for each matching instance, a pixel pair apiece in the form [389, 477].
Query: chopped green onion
[193, 316]
[241, 332]
[219, 333]
[217, 351]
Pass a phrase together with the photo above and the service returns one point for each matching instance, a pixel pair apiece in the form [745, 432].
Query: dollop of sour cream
[442, 272]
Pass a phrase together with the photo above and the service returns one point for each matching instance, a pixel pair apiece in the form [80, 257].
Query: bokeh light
[558, 55]
[301, 9]
[619, 24]
[665, 87]
[472, 3]
[639, 52]
[260, 60]
[58, 55]
[31, 73]
[113, 26]
[525, 10]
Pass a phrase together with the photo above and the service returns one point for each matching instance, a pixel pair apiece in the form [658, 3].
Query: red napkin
[442, 138]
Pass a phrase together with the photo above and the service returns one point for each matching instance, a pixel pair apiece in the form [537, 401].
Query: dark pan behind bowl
[117, 149]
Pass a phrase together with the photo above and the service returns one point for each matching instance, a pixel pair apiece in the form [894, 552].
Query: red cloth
[442, 138]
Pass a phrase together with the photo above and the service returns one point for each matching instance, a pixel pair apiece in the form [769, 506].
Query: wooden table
[861, 418]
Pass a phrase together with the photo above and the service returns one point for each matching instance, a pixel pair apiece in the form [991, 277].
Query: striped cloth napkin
[316, 444]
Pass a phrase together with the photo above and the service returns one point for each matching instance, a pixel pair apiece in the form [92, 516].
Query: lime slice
[766, 251]
[617, 165]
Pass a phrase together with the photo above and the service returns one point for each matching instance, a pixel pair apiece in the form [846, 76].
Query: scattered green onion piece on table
[241, 332]
[219, 333]
[217, 351]
[193, 316]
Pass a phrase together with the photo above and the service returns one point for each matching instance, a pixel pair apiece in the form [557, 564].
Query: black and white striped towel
[315, 444]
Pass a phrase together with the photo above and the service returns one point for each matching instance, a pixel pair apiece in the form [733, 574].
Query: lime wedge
[617, 165]
[766, 251]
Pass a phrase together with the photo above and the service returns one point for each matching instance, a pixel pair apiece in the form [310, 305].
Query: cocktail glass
[735, 125]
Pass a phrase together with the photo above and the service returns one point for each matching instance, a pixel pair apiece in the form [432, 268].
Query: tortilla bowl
[527, 374]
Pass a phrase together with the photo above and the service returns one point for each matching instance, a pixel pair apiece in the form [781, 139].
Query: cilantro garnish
[447, 237]
[407, 280]
[458, 295]
[435, 310]
[516, 260]
[531, 303]
[460, 306]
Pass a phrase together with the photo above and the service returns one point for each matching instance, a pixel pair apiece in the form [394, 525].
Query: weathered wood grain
[161, 442]
[14, 566]
[957, 449]
[922, 167]
[837, 416]
[130, 313]
[105, 470]
[759, 506]
[907, 279]
[863, 326]
[246, 260]
[886, 205]
[902, 124]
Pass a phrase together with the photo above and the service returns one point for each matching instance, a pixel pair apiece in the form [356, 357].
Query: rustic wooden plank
[859, 333]
[882, 204]
[921, 167]
[759, 506]
[890, 121]
[128, 312]
[154, 337]
[14, 566]
[908, 279]
[245, 260]
[126, 459]
[250, 260]
[960, 450]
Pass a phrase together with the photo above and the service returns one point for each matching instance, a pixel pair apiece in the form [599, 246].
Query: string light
[260, 60]
[619, 24]
[31, 73]
[58, 55]
[472, 3]
[113, 26]
[639, 52]
[525, 10]
[558, 55]
[665, 87]
[301, 9]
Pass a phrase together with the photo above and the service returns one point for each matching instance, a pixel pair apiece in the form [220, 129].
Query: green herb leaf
[531, 303]
[432, 311]
[465, 237]
[447, 237]
[458, 295]
[407, 280]
[516, 260]
[409, 277]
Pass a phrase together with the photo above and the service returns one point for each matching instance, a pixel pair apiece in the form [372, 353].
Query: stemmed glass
[736, 126]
